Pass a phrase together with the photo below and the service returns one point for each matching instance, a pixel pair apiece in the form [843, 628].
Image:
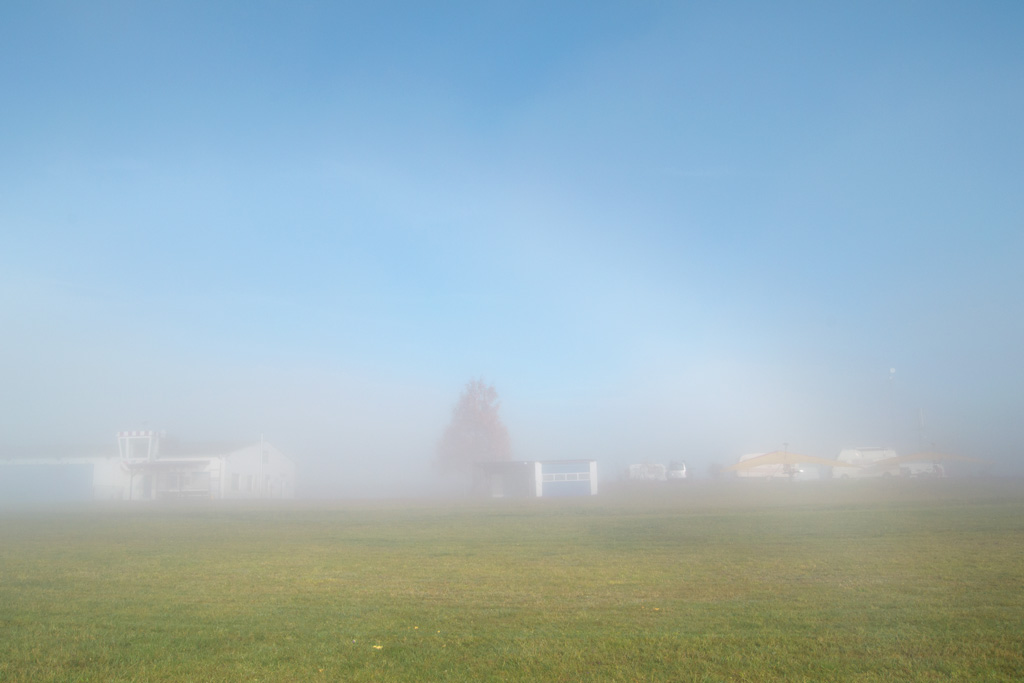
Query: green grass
[750, 581]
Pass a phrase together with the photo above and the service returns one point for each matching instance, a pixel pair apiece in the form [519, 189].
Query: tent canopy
[785, 458]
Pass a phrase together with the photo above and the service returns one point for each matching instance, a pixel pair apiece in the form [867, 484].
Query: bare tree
[476, 432]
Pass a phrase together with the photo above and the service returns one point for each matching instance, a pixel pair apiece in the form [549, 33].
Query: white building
[149, 467]
[536, 478]
[868, 461]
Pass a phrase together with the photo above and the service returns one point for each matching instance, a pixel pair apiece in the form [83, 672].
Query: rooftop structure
[147, 466]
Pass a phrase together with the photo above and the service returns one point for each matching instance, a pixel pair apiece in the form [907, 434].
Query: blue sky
[678, 230]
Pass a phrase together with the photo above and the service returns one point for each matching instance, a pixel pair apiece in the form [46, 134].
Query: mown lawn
[903, 580]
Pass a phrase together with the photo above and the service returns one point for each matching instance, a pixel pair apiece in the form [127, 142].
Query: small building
[926, 464]
[869, 461]
[149, 467]
[537, 478]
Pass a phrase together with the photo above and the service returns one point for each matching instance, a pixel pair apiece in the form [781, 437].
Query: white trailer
[648, 472]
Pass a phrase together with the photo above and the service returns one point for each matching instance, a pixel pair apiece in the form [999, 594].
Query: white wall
[249, 473]
[240, 474]
[867, 459]
[110, 481]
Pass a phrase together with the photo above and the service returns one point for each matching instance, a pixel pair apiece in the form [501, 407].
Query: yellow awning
[786, 458]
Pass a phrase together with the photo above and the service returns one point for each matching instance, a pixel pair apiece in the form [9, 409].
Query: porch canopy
[785, 458]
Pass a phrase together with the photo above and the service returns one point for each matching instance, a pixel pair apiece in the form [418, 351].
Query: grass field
[866, 580]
